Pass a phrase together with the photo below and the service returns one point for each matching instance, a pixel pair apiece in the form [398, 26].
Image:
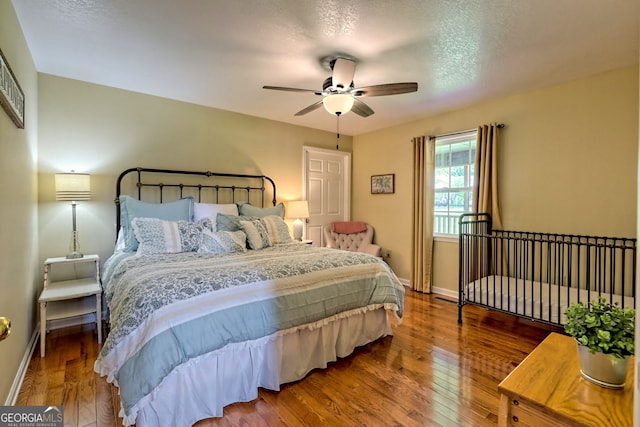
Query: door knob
[5, 327]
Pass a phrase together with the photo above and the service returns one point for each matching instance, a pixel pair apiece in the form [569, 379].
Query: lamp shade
[298, 209]
[73, 186]
[339, 103]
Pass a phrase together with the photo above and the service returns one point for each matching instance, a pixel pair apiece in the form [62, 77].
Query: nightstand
[70, 298]
[546, 389]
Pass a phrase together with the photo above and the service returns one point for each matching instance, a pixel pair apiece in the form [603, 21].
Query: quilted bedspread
[168, 309]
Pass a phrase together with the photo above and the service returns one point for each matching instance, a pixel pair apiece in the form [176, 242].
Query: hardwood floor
[432, 372]
[65, 377]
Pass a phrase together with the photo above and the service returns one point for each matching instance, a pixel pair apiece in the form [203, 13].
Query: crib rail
[538, 275]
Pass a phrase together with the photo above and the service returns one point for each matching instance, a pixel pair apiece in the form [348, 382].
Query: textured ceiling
[220, 53]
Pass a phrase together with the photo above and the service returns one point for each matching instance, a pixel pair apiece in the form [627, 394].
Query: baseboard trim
[449, 293]
[22, 369]
[446, 292]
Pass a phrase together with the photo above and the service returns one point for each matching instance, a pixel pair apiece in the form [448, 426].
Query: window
[454, 173]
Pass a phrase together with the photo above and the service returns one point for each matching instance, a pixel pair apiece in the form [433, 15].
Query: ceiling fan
[340, 95]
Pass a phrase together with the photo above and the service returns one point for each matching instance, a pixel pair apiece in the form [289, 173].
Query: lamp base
[74, 247]
[297, 230]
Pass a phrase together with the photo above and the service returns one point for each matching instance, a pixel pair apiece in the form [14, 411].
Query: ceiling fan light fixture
[338, 104]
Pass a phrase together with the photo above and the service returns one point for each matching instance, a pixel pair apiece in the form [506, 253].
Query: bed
[202, 315]
[538, 275]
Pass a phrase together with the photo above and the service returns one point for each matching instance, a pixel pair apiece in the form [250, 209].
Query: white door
[327, 184]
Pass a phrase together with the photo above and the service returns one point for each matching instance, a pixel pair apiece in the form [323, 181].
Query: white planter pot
[599, 369]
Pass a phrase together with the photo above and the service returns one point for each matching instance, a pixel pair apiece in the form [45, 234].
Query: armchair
[352, 236]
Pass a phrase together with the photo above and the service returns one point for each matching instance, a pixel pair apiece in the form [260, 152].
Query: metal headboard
[235, 185]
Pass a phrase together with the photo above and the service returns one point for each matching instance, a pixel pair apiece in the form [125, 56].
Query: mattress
[537, 300]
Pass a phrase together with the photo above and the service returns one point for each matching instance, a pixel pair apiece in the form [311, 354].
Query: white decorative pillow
[157, 236]
[222, 242]
[256, 232]
[211, 210]
[277, 229]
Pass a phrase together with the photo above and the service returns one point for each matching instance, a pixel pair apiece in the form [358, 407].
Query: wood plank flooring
[432, 372]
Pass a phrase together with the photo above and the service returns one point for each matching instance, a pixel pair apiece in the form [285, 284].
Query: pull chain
[338, 131]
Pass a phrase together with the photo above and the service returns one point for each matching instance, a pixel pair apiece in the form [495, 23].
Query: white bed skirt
[535, 300]
[202, 387]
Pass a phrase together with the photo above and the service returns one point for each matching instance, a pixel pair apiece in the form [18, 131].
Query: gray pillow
[227, 222]
[247, 209]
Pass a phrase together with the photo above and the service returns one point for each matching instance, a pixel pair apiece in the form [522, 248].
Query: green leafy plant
[602, 327]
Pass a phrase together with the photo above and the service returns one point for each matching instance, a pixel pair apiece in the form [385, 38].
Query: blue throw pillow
[179, 210]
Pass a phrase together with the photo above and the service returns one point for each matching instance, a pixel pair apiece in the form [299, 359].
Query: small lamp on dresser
[298, 209]
[73, 187]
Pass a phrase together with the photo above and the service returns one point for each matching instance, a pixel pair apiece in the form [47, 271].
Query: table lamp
[297, 209]
[73, 187]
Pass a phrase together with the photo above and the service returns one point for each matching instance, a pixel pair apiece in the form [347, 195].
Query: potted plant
[605, 336]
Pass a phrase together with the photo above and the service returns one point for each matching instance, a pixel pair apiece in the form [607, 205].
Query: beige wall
[18, 189]
[568, 163]
[103, 131]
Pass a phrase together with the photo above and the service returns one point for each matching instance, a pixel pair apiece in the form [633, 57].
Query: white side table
[70, 298]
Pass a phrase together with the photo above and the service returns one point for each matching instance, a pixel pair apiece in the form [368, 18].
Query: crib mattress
[537, 300]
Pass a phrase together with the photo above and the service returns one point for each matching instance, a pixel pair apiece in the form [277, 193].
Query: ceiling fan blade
[361, 109]
[309, 109]
[343, 71]
[385, 89]
[293, 89]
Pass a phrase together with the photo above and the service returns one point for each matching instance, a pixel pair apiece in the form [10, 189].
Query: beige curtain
[485, 192]
[485, 199]
[422, 226]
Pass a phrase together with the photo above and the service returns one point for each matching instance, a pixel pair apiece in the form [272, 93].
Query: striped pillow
[257, 236]
[277, 229]
[157, 236]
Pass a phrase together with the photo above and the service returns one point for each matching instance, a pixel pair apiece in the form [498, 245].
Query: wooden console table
[546, 389]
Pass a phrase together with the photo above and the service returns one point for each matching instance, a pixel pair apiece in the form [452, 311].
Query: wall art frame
[383, 184]
[11, 95]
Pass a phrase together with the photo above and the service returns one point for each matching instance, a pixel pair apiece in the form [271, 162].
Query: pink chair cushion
[348, 227]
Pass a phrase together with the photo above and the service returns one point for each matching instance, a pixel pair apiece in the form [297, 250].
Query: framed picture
[11, 95]
[382, 184]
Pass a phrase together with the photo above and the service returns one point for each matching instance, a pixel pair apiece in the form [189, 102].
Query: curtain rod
[500, 126]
